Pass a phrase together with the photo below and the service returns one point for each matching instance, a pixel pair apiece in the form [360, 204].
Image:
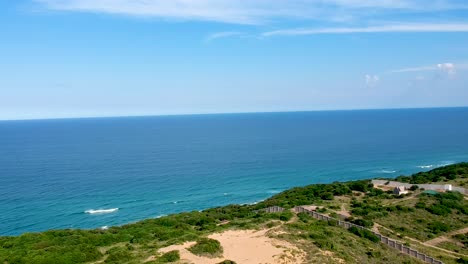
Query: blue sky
[83, 58]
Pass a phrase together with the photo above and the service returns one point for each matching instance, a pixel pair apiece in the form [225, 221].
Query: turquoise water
[53, 171]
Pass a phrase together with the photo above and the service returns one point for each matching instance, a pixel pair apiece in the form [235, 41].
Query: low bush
[171, 256]
[118, 255]
[364, 233]
[438, 227]
[227, 262]
[362, 222]
[207, 247]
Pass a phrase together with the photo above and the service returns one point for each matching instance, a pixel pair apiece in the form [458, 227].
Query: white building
[399, 190]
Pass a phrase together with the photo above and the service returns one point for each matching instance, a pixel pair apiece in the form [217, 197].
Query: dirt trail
[445, 237]
[343, 211]
[427, 244]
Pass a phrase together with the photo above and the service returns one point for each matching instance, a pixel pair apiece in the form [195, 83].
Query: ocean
[96, 172]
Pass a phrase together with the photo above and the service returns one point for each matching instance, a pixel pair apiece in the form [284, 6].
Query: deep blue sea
[53, 171]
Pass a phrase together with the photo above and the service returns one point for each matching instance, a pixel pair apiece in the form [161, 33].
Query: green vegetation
[411, 218]
[322, 236]
[446, 173]
[171, 256]
[207, 247]
[227, 262]
[364, 233]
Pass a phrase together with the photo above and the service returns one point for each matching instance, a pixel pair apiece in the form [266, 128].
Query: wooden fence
[272, 209]
[385, 240]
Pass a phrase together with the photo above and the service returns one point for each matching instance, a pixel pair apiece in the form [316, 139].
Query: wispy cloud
[371, 80]
[400, 27]
[447, 67]
[436, 71]
[224, 34]
[415, 69]
[252, 11]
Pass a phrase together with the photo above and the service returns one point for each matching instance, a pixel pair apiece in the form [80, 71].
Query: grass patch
[207, 247]
[171, 256]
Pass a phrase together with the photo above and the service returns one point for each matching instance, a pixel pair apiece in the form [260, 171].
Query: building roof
[431, 192]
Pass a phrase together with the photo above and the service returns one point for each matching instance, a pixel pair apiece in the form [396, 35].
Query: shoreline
[99, 212]
[383, 217]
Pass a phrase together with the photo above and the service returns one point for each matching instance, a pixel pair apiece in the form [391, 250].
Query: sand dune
[246, 247]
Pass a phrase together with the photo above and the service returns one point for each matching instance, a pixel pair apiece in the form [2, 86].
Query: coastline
[365, 205]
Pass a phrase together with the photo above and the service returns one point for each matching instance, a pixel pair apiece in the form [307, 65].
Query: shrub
[227, 262]
[286, 216]
[438, 209]
[118, 255]
[362, 222]
[171, 256]
[304, 217]
[420, 205]
[364, 233]
[207, 247]
[437, 227]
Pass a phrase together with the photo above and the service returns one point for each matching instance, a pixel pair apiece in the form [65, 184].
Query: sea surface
[91, 173]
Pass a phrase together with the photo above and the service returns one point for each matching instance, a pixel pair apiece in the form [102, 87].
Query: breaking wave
[425, 166]
[388, 171]
[431, 166]
[101, 211]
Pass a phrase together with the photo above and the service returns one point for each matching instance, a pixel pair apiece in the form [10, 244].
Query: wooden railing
[385, 240]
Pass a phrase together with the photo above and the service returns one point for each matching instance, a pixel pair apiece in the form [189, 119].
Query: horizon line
[231, 113]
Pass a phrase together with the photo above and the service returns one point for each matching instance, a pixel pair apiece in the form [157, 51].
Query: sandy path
[446, 237]
[246, 247]
[343, 211]
[426, 244]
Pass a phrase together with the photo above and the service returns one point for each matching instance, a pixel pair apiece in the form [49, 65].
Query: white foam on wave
[445, 164]
[101, 211]
[104, 228]
[388, 171]
[430, 166]
[425, 166]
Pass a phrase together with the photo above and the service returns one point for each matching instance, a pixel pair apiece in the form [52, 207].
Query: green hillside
[432, 224]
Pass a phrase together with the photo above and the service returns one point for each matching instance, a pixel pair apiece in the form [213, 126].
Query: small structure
[430, 192]
[399, 190]
[448, 187]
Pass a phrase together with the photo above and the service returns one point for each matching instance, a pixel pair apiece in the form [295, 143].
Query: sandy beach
[244, 246]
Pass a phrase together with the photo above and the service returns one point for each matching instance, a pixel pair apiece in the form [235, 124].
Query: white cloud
[372, 80]
[401, 27]
[448, 68]
[251, 11]
[225, 34]
[415, 69]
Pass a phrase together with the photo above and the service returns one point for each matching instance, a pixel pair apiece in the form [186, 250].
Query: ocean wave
[104, 227]
[445, 164]
[388, 171]
[425, 166]
[101, 211]
[430, 166]
[273, 191]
